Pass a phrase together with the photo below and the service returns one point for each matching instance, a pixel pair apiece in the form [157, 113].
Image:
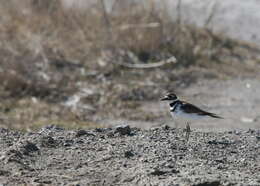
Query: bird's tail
[215, 116]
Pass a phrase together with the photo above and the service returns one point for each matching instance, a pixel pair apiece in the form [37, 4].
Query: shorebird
[179, 108]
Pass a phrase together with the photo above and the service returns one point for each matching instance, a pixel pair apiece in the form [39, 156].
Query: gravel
[129, 156]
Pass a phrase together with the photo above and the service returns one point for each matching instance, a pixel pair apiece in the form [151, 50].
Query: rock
[68, 143]
[174, 171]
[102, 129]
[83, 133]
[48, 141]
[4, 173]
[251, 131]
[50, 128]
[247, 120]
[220, 142]
[99, 130]
[29, 148]
[123, 130]
[157, 172]
[110, 134]
[129, 154]
[208, 183]
[165, 127]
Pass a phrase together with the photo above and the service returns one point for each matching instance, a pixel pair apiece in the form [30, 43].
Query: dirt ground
[129, 156]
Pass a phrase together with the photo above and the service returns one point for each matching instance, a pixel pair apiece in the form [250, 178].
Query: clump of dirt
[129, 156]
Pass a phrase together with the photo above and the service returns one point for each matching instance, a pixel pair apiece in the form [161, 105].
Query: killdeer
[186, 110]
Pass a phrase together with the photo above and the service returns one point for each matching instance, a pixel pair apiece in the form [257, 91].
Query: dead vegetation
[50, 53]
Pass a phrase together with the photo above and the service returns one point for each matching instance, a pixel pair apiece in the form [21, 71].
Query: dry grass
[47, 51]
[47, 30]
[30, 113]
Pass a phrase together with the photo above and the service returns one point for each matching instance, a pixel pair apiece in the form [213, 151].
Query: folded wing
[192, 109]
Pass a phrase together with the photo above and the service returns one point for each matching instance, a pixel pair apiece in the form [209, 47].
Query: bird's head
[169, 97]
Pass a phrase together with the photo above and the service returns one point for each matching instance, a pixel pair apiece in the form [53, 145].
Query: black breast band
[173, 105]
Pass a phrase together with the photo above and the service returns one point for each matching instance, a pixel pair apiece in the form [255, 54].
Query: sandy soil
[129, 156]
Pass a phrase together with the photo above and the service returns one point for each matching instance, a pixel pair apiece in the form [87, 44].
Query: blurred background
[97, 63]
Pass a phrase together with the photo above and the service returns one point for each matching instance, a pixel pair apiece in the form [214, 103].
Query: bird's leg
[188, 131]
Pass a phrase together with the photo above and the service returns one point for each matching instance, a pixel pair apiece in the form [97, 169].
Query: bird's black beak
[164, 98]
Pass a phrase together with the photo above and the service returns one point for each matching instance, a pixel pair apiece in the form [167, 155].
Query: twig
[211, 15]
[151, 65]
[148, 25]
[179, 12]
[106, 18]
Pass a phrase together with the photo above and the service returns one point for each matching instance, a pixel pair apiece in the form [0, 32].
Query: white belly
[178, 113]
[186, 116]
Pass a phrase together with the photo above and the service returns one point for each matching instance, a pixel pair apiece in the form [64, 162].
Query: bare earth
[129, 156]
